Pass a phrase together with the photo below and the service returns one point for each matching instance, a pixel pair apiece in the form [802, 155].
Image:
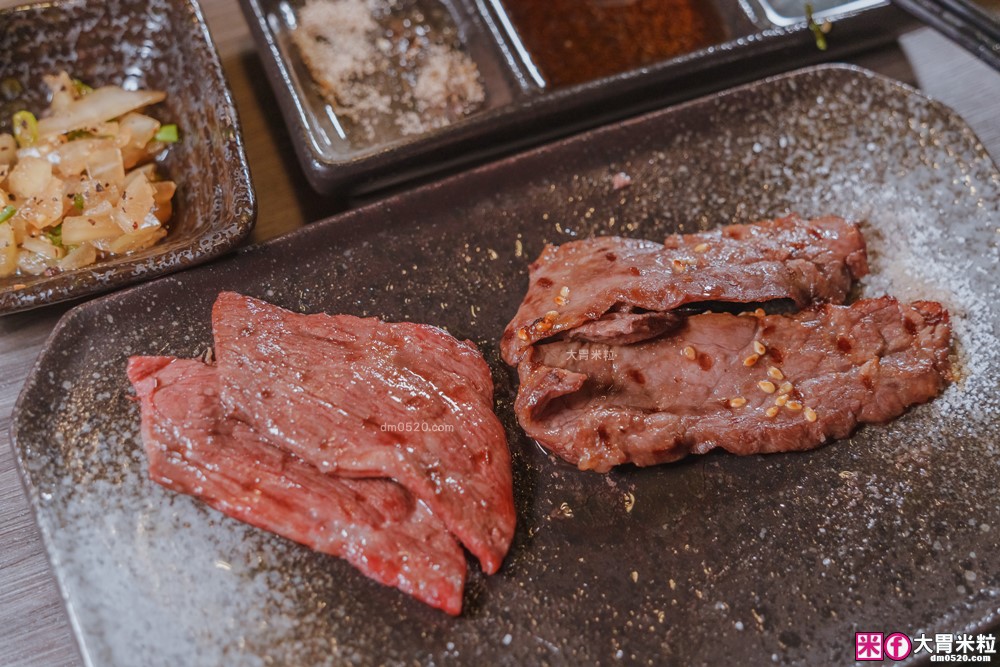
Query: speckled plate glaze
[161, 44]
[775, 559]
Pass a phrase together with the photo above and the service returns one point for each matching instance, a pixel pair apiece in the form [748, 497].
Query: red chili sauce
[572, 41]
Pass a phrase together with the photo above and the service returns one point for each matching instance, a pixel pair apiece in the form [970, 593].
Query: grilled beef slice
[605, 284]
[335, 390]
[748, 385]
[375, 524]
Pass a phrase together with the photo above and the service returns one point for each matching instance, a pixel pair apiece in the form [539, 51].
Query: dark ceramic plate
[775, 559]
[160, 44]
[763, 37]
[975, 24]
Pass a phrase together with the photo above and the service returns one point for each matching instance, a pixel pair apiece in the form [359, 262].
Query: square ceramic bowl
[157, 44]
[790, 12]
[758, 37]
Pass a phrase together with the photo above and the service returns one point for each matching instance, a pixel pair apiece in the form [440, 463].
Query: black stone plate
[521, 110]
[160, 44]
[775, 558]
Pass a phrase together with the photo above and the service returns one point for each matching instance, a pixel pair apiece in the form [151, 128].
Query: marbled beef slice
[374, 524]
[581, 283]
[748, 385]
[334, 390]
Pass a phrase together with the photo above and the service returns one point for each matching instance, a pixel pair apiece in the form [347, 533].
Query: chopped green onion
[82, 88]
[55, 235]
[7, 213]
[817, 30]
[78, 134]
[78, 201]
[25, 128]
[167, 134]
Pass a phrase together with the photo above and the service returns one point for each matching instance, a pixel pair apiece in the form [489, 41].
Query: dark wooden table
[34, 627]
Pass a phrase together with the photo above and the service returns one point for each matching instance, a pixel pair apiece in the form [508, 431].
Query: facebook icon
[897, 646]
